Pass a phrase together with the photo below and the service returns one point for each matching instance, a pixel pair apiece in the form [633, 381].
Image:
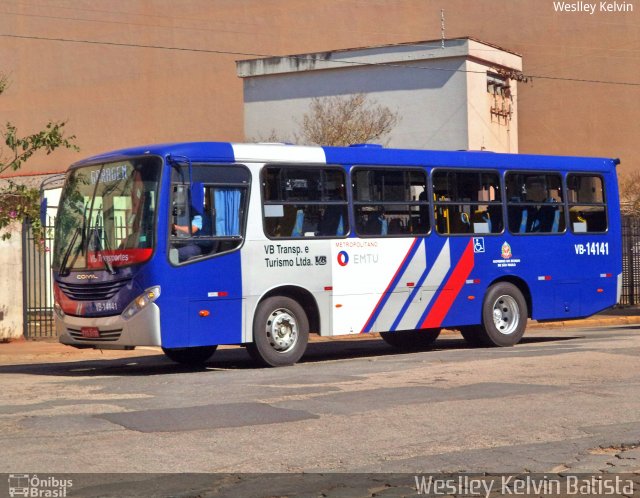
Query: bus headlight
[141, 302]
[58, 309]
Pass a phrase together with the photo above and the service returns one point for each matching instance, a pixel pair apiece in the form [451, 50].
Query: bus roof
[364, 154]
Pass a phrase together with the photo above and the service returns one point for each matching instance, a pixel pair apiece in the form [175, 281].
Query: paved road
[563, 399]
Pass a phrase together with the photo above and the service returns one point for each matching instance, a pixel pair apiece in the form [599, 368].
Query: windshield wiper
[64, 271]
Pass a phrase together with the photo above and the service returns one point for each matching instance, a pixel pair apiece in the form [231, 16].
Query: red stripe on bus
[451, 289]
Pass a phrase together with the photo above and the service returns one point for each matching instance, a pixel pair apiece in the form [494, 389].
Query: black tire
[474, 335]
[411, 340]
[195, 356]
[280, 332]
[504, 315]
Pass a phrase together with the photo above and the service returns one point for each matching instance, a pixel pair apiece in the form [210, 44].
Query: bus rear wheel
[280, 332]
[195, 356]
[504, 315]
[411, 339]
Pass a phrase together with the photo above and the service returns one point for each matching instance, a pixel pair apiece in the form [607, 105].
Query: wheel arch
[303, 297]
[522, 287]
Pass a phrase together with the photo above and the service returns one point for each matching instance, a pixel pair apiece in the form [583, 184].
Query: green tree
[18, 202]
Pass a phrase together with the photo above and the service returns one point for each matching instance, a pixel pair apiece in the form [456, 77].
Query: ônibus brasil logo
[343, 258]
[41, 487]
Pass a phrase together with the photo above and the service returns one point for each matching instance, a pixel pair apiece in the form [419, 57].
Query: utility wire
[303, 58]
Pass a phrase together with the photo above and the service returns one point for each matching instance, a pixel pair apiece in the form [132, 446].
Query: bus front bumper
[111, 332]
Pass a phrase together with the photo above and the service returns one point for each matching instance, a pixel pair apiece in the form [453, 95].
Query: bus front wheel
[504, 315]
[280, 332]
[411, 339]
[190, 356]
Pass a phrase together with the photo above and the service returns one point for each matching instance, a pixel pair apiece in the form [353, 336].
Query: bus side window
[467, 202]
[304, 201]
[535, 203]
[212, 221]
[390, 201]
[332, 220]
[587, 204]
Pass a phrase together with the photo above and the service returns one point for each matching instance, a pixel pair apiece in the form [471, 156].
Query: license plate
[90, 332]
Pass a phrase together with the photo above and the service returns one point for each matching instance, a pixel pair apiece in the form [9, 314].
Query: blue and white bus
[194, 245]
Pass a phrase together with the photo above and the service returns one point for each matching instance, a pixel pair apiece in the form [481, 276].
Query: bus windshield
[106, 215]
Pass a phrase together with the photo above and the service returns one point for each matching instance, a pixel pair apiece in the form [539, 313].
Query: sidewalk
[49, 350]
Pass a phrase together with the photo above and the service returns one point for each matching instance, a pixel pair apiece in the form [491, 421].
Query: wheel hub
[282, 330]
[506, 314]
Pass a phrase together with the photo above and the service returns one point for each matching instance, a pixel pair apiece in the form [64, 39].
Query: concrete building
[452, 97]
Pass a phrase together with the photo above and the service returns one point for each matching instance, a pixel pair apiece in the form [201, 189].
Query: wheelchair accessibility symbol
[478, 244]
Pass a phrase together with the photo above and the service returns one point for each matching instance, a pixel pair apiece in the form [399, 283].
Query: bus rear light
[606, 275]
[141, 302]
[544, 277]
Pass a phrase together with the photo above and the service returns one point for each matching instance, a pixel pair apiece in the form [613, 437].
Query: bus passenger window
[587, 208]
[467, 202]
[304, 201]
[390, 201]
[212, 221]
[535, 203]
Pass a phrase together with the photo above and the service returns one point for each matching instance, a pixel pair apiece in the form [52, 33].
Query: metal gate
[630, 261]
[37, 287]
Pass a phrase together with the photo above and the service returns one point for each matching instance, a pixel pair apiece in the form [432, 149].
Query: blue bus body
[405, 281]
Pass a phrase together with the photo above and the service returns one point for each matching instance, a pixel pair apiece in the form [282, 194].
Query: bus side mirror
[43, 211]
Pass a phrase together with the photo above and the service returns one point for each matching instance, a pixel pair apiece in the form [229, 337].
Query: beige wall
[11, 325]
[489, 131]
[115, 96]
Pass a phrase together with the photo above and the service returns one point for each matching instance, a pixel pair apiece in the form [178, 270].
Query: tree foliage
[341, 121]
[346, 120]
[20, 203]
[630, 193]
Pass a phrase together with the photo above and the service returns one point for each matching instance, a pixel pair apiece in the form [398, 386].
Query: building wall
[115, 96]
[432, 110]
[487, 130]
[11, 323]
[439, 94]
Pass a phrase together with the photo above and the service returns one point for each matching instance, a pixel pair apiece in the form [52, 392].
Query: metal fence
[37, 287]
[630, 261]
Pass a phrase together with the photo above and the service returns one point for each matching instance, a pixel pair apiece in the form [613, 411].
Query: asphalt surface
[564, 400]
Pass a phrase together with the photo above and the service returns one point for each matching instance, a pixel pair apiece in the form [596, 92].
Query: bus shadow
[238, 359]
